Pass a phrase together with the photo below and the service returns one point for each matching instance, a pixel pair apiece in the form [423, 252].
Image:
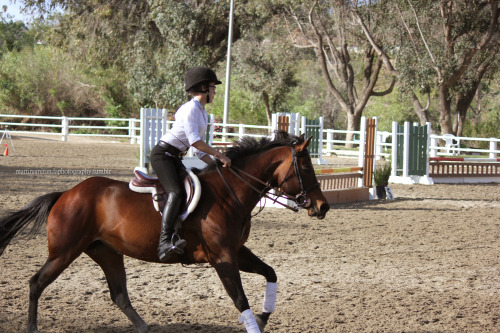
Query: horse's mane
[248, 145]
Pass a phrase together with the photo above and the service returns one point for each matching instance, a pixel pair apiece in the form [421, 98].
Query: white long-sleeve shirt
[190, 125]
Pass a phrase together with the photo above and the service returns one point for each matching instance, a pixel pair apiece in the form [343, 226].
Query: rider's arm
[207, 159]
[201, 145]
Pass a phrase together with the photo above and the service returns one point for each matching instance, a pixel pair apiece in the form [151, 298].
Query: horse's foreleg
[250, 263]
[111, 263]
[230, 276]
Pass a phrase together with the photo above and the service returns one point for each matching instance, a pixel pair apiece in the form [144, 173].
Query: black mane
[248, 145]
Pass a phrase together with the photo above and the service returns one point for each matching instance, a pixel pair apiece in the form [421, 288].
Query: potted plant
[381, 177]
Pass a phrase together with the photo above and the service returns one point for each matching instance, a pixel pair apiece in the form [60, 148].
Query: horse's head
[296, 177]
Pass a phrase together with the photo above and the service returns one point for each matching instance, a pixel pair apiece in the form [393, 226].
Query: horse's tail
[37, 210]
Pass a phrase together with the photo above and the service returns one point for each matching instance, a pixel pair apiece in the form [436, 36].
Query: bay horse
[104, 219]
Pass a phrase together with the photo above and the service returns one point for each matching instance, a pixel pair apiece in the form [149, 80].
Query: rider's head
[201, 80]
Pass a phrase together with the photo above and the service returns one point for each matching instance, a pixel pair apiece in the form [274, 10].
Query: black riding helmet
[197, 75]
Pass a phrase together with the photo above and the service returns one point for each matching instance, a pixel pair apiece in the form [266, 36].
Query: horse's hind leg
[250, 263]
[52, 268]
[111, 263]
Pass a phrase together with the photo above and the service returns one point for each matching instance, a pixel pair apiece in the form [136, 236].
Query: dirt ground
[426, 262]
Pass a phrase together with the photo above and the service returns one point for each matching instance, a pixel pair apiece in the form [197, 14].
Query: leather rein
[300, 199]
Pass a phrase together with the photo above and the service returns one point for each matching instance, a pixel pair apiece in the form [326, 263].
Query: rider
[187, 131]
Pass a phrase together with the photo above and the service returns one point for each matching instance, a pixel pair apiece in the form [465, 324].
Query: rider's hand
[226, 162]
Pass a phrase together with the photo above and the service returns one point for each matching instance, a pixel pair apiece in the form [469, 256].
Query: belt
[172, 150]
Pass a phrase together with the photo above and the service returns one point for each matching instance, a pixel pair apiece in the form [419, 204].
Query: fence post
[493, 146]
[241, 131]
[64, 128]
[378, 143]
[320, 148]
[370, 148]
[428, 124]
[394, 158]
[362, 139]
[329, 143]
[142, 124]
[209, 136]
[274, 122]
[296, 126]
[406, 150]
[164, 125]
[131, 131]
[433, 151]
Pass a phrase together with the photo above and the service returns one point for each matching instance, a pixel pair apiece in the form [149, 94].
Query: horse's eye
[307, 167]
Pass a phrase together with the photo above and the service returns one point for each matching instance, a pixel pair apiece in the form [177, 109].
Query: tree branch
[323, 63]
[484, 42]
[387, 91]
[438, 71]
[408, 30]
[380, 52]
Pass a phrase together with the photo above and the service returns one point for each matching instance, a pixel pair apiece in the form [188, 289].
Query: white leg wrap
[248, 319]
[270, 297]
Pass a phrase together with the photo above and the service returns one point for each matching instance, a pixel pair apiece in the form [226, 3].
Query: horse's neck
[264, 166]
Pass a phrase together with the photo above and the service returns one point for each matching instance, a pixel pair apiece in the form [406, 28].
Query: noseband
[300, 199]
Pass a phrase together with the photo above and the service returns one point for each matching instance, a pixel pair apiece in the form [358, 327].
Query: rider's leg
[167, 246]
[167, 168]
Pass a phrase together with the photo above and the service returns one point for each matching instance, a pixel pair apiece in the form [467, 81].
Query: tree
[13, 34]
[263, 66]
[456, 42]
[153, 41]
[349, 64]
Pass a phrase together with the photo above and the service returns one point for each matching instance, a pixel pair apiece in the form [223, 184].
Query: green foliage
[244, 108]
[390, 108]
[488, 127]
[382, 174]
[46, 81]
[311, 98]
[108, 58]
[13, 35]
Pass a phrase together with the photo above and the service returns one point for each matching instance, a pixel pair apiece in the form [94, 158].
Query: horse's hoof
[143, 329]
[261, 320]
[32, 330]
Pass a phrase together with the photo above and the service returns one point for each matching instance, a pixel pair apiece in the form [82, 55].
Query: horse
[104, 219]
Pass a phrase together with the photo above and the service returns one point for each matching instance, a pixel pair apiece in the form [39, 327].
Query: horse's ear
[304, 145]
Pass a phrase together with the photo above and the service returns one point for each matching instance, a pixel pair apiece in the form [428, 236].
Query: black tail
[37, 210]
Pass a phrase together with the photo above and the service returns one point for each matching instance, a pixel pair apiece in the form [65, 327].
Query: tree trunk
[265, 97]
[353, 124]
[445, 110]
[422, 113]
[463, 104]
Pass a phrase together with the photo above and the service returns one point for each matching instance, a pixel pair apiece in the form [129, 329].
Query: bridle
[300, 199]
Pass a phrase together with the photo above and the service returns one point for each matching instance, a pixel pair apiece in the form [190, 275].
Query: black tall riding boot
[167, 246]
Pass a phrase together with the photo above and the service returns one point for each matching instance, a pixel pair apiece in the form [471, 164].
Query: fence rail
[333, 140]
[63, 126]
[453, 146]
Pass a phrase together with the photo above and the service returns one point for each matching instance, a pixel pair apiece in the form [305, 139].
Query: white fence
[63, 126]
[452, 146]
[333, 140]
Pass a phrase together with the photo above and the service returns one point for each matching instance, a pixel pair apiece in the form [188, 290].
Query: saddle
[143, 183]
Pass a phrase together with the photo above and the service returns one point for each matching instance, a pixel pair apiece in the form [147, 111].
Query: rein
[300, 199]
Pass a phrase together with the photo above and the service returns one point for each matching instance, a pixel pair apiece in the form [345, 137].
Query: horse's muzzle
[320, 212]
